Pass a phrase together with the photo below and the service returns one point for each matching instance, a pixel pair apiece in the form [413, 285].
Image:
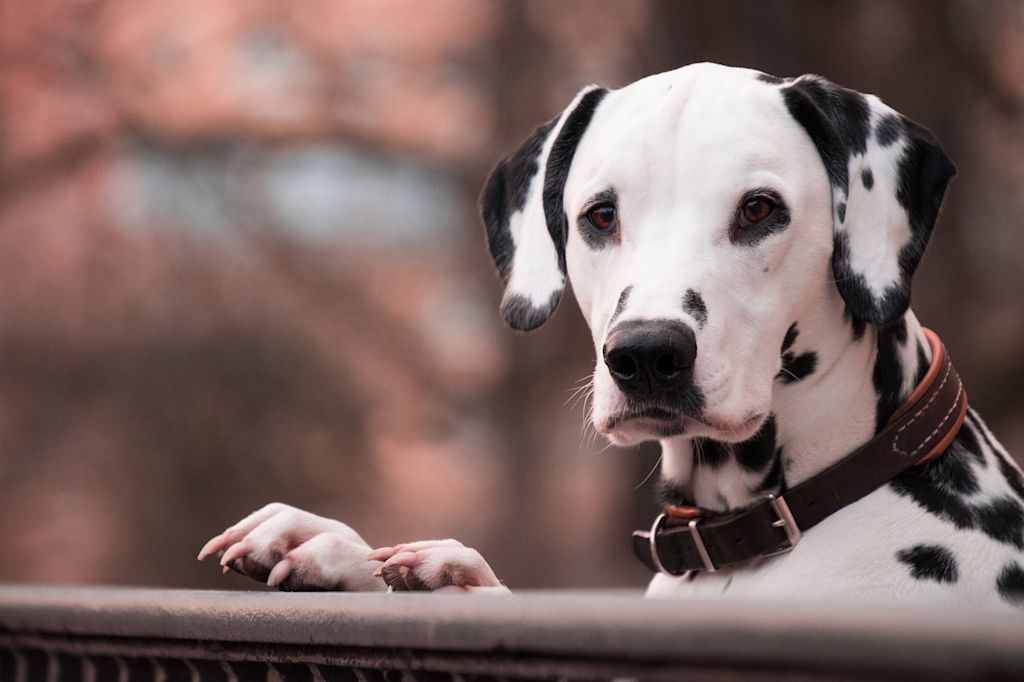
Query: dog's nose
[651, 356]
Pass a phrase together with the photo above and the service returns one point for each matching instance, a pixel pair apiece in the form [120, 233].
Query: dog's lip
[654, 415]
[657, 418]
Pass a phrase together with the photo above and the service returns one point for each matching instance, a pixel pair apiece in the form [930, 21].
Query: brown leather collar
[689, 539]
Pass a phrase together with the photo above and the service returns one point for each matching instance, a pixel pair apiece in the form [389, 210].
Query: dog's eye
[756, 209]
[603, 217]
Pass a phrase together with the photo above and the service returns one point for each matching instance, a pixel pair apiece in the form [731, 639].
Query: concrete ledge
[577, 635]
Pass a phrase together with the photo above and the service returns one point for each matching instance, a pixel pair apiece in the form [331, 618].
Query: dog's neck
[860, 375]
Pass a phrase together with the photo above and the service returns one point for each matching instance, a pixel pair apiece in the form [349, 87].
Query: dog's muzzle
[651, 357]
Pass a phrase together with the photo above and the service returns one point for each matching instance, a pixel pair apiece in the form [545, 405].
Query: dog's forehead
[696, 108]
[707, 118]
[710, 86]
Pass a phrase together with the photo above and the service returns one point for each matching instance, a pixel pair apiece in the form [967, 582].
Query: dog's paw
[436, 565]
[292, 549]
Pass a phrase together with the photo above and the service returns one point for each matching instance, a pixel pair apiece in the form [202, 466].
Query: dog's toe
[438, 564]
[326, 562]
[233, 534]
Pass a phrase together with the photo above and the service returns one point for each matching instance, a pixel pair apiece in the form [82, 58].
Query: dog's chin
[632, 429]
[728, 431]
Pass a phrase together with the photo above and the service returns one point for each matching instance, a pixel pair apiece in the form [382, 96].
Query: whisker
[795, 377]
[651, 472]
[575, 394]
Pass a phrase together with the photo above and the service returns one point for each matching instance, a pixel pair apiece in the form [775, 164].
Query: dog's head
[698, 213]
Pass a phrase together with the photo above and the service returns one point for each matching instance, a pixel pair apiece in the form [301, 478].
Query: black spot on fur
[1011, 473]
[934, 498]
[1007, 468]
[857, 325]
[790, 338]
[1003, 520]
[955, 467]
[693, 304]
[505, 193]
[756, 452]
[795, 367]
[557, 171]
[888, 130]
[941, 487]
[930, 562]
[888, 371]
[621, 305]
[841, 212]
[523, 315]
[899, 330]
[710, 453]
[774, 480]
[1010, 584]
[867, 178]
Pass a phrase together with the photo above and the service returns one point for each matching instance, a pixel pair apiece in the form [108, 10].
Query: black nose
[651, 356]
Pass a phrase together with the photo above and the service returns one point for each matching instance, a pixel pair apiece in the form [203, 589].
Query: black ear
[523, 213]
[888, 177]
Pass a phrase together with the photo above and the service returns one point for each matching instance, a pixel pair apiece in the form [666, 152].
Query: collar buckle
[702, 550]
[786, 522]
[698, 541]
[653, 539]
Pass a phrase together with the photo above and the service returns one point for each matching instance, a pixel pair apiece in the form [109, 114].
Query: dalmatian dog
[742, 248]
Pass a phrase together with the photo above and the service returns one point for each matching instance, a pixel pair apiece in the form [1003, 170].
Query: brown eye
[603, 217]
[756, 209]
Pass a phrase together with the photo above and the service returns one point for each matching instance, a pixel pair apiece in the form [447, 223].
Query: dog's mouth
[638, 417]
[634, 424]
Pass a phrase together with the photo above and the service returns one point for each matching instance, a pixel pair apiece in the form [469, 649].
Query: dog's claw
[403, 558]
[235, 551]
[279, 573]
[211, 547]
[384, 553]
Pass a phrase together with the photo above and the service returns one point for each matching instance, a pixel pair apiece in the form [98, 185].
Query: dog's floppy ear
[888, 176]
[522, 209]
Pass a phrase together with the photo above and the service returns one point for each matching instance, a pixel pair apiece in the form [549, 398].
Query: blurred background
[240, 262]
